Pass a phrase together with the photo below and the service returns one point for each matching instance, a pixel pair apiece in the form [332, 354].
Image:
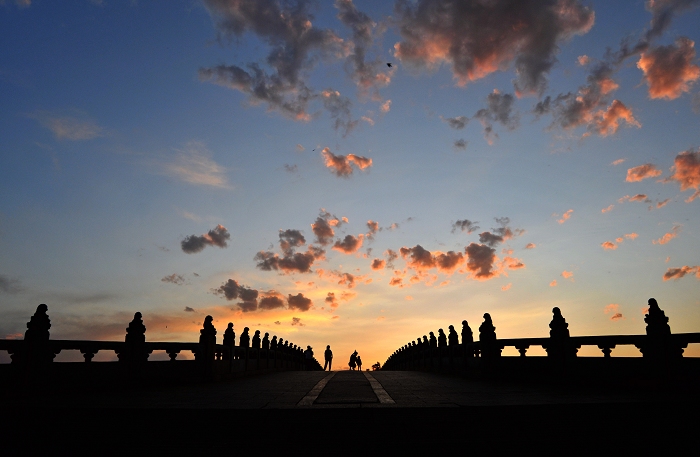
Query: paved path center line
[313, 394]
[379, 391]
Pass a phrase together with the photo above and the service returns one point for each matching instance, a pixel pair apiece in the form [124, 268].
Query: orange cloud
[349, 245]
[678, 273]
[378, 264]
[565, 217]
[609, 245]
[635, 198]
[506, 287]
[686, 171]
[530, 246]
[669, 70]
[668, 236]
[553, 283]
[346, 279]
[408, 298]
[641, 172]
[618, 161]
[341, 165]
[607, 122]
[605, 210]
[331, 300]
[583, 60]
[567, 274]
[613, 309]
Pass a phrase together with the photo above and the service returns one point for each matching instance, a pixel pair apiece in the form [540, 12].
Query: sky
[349, 173]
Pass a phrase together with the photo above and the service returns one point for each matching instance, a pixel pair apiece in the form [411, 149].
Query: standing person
[308, 357]
[328, 355]
[353, 360]
[359, 362]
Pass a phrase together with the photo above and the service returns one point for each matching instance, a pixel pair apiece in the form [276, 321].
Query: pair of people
[355, 361]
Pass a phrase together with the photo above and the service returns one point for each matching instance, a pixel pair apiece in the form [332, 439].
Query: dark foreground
[310, 411]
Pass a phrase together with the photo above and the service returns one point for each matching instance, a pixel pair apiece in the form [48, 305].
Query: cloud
[290, 168]
[271, 300]
[214, 237]
[507, 287]
[349, 245]
[189, 310]
[278, 323]
[641, 172]
[675, 230]
[669, 70]
[9, 286]
[499, 109]
[618, 162]
[662, 203]
[390, 257]
[299, 148]
[378, 264]
[530, 246]
[342, 165]
[460, 144]
[290, 239]
[174, 279]
[338, 107]
[323, 228]
[344, 279]
[368, 75]
[477, 38]
[607, 122]
[686, 171]
[385, 107]
[300, 262]
[583, 60]
[635, 198]
[448, 262]
[299, 302]
[458, 122]
[678, 273]
[296, 321]
[73, 128]
[465, 225]
[567, 274]
[373, 228]
[231, 290]
[288, 29]
[663, 12]
[194, 165]
[609, 245]
[331, 300]
[608, 209]
[481, 259]
[566, 216]
[613, 309]
[553, 283]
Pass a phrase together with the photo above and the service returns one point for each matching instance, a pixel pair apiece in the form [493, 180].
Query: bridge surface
[382, 410]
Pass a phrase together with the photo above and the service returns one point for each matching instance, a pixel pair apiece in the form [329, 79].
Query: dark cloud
[290, 239]
[271, 300]
[480, 260]
[478, 38]
[458, 122]
[338, 107]
[390, 257]
[342, 165]
[323, 227]
[677, 273]
[349, 245]
[663, 12]
[448, 262]
[418, 258]
[231, 290]
[218, 236]
[300, 262]
[378, 264]
[460, 144]
[465, 225]
[373, 228]
[299, 302]
[686, 171]
[189, 310]
[174, 279]
[331, 301]
[291, 168]
[499, 234]
[499, 109]
[297, 322]
[288, 29]
[9, 286]
[367, 74]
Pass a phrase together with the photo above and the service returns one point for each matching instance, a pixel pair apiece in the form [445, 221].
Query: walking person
[353, 360]
[358, 360]
[328, 355]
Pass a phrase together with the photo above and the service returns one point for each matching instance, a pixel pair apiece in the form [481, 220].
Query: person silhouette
[308, 357]
[266, 341]
[328, 355]
[452, 337]
[353, 360]
[433, 341]
[245, 338]
[256, 340]
[442, 339]
[358, 360]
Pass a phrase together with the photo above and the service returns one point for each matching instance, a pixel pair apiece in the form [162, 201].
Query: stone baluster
[37, 352]
[229, 342]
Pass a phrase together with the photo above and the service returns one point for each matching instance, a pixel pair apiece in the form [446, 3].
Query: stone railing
[34, 356]
[660, 349]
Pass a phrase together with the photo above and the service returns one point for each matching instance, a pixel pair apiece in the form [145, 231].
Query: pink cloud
[641, 172]
[609, 245]
[675, 230]
[608, 209]
[678, 273]
[567, 274]
[565, 217]
[342, 165]
[553, 283]
[686, 171]
[669, 70]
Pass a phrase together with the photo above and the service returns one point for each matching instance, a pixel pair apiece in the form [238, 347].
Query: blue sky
[126, 127]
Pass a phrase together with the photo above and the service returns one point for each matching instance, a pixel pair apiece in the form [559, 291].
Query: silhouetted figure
[229, 341]
[559, 345]
[273, 343]
[353, 361]
[36, 339]
[207, 345]
[280, 345]
[308, 358]
[487, 338]
[467, 335]
[328, 356]
[358, 360]
[442, 339]
[256, 340]
[433, 341]
[426, 343]
[245, 338]
[452, 336]
[266, 341]
[388, 64]
[658, 344]
[135, 341]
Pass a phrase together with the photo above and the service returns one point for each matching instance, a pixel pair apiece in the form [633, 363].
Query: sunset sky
[261, 161]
